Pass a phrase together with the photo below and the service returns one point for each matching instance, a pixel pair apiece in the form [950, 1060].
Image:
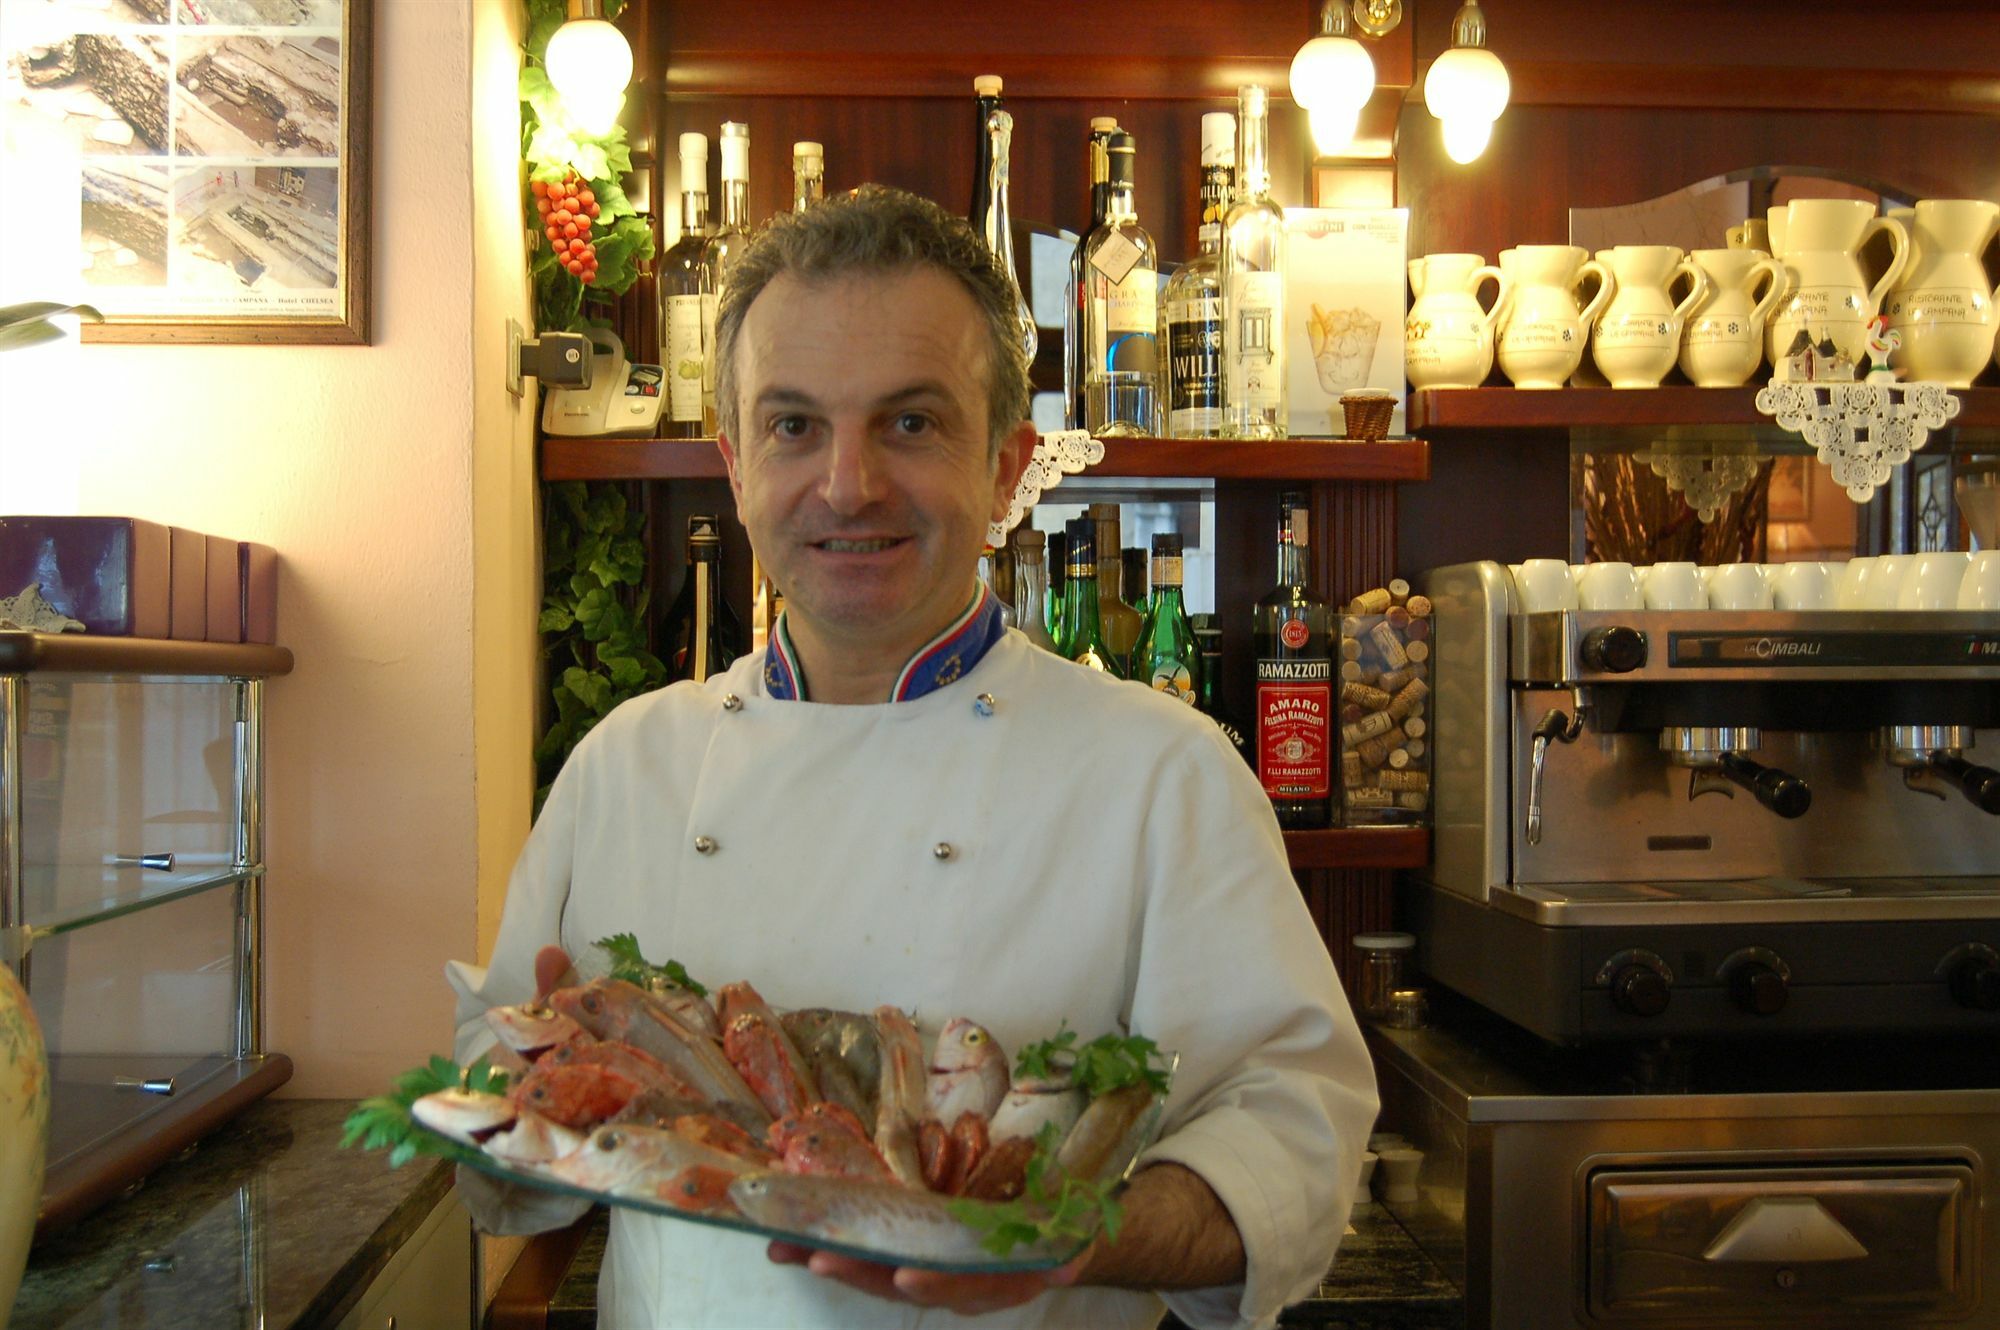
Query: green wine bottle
[1082, 636]
[1167, 655]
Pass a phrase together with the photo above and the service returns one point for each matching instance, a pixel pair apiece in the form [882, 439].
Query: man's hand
[506, 1209]
[968, 1295]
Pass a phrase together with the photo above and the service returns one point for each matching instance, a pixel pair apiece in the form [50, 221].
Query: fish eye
[535, 1011]
[591, 1002]
[609, 1140]
[975, 1037]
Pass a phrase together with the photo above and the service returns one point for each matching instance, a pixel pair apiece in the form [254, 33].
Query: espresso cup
[1852, 590]
[1979, 589]
[1545, 585]
[1806, 584]
[1885, 589]
[1609, 586]
[1931, 581]
[1739, 586]
[1674, 586]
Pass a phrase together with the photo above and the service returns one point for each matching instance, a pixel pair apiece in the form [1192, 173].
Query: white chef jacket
[1032, 844]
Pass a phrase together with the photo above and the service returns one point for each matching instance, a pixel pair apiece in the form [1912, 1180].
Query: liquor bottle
[1133, 587]
[1031, 587]
[1101, 129]
[1167, 656]
[1253, 286]
[1209, 697]
[728, 240]
[808, 174]
[701, 635]
[997, 225]
[1295, 717]
[684, 282]
[1194, 297]
[1121, 313]
[1117, 621]
[1058, 581]
[986, 90]
[996, 569]
[1082, 640]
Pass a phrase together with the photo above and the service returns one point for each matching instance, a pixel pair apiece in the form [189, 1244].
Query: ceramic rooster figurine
[1882, 339]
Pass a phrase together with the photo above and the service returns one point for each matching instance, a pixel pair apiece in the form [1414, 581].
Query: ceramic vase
[1448, 336]
[1942, 310]
[1723, 342]
[24, 1124]
[1638, 337]
[1830, 298]
[1544, 325]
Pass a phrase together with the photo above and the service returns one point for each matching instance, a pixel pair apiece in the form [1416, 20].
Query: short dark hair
[877, 229]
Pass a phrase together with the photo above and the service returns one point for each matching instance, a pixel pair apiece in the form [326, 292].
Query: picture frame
[218, 155]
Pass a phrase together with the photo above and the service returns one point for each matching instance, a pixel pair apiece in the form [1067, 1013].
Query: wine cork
[1416, 726]
[1368, 727]
[1398, 617]
[1370, 602]
[1399, 758]
[1418, 631]
[1418, 651]
[1352, 711]
[1412, 693]
[1392, 681]
[1370, 797]
[1374, 752]
[1414, 800]
[1375, 699]
[1403, 780]
[1399, 590]
[1391, 646]
[1351, 626]
[1415, 747]
[1350, 769]
[1419, 606]
[1353, 671]
[1350, 649]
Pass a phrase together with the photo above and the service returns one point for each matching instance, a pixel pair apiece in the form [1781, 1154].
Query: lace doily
[1860, 430]
[1063, 453]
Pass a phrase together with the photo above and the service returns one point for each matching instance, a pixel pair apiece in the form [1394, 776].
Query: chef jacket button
[704, 845]
[942, 851]
[982, 705]
[731, 702]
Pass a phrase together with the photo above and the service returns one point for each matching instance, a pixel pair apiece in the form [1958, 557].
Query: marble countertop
[266, 1225]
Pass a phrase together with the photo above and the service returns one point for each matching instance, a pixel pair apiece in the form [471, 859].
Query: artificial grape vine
[567, 207]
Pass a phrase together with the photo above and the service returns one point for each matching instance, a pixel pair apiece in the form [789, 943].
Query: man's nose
[853, 470]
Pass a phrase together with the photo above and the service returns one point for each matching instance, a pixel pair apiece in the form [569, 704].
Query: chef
[901, 801]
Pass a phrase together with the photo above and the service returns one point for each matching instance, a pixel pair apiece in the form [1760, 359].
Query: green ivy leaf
[555, 619]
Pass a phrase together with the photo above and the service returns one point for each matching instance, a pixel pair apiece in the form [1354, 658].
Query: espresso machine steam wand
[1931, 756]
[1553, 726]
[1714, 756]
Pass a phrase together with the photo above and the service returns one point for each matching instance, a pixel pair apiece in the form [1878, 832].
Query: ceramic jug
[1723, 342]
[24, 1121]
[1448, 337]
[1638, 337]
[1542, 329]
[1830, 297]
[1943, 306]
[1750, 233]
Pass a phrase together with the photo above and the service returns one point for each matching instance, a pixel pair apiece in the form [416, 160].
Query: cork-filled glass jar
[1384, 671]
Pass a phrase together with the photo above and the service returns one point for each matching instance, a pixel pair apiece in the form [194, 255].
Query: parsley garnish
[1043, 1214]
[1106, 1063]
[628, 964]
[385, 1120]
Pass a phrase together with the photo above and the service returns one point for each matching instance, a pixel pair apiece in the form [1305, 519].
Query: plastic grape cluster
[567, 208]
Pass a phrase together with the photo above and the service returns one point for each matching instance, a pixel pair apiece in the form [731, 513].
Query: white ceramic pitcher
[1830, 297]
[1638, 337]
[1542, 328]
[1448, 336]
[1723, 342]
[1943, 306]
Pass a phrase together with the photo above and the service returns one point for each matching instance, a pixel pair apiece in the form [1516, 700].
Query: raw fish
[1035, 1101]
[533, 1028]
[844, 1052]
[902, 1101]
[625, 1160]
[763, 1054]
[465, 1116]
[614, 1009]
[874, 1216]
[968, 1072]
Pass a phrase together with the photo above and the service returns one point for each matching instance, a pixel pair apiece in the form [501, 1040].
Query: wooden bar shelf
[1359, 847]
[1435, 410]
[1223, 459]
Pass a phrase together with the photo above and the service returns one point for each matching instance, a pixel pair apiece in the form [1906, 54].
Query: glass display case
[131, 892]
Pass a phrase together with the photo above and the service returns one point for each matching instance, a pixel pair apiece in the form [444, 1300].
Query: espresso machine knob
[1780, 791]
[1613, 650]
[1975, 983]
[1640, 988]
[1980, 784]
[1758, 989]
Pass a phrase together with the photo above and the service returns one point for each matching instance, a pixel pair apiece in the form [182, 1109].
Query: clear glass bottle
[1253, 285]
[1168, 657]
[1193, 299]
[730, 234]
[1118, 621]
[1121, 313]
[1082, 639]
[700, 636]
[986, 90]
[1031, 586]
[808, 174]
[999, 223]
[684, 283]
[996, 569]
[1295, 720]
[1101, 129]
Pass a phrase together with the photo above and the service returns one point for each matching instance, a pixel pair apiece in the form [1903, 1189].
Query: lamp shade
[589, 62]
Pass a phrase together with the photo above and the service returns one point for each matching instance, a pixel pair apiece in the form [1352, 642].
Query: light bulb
[1332, 128]
[1465, 138]
[1332, 72]
[589, 62]
[1467, 88]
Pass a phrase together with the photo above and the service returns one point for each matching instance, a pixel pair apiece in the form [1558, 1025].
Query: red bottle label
[1293, 633]
[1294, 739]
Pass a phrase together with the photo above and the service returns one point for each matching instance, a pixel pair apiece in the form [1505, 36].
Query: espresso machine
[1713, 925]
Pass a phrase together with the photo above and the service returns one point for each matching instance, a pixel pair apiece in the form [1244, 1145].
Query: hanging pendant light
[1333, 78]
[1467, 87]
[589, 62]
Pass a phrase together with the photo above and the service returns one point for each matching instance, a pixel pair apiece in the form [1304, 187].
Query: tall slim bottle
[1295, 718]
[700, 636]
[1209, 702]
[1167, 657]
[1101, 129]
[1121, 312]
[998, 226]
[1058, 579]
[729, 236]
[986, 90]
[1253, 286]
[808, 174]
[1031, 586]
[1133, 587]
[1118, 621]
[1193, 297]
[1082, 639]
[683, 281]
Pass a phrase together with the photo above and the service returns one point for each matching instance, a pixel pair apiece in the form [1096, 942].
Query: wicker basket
[1367, 414]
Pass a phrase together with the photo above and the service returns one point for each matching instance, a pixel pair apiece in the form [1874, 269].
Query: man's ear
[733, 465]
[1016, 451]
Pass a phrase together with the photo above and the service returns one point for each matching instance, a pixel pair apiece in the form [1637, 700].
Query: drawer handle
[1784, 1229]
[163, 863]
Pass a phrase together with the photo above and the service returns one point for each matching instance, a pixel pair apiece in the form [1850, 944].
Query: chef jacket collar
[945, 659]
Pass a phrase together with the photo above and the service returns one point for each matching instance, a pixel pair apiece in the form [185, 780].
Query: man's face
[860, 464]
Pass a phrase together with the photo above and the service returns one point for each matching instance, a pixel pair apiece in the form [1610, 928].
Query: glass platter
[1025, 1258]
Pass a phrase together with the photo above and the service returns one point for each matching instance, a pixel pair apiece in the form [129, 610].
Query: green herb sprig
[1108, 1062]
[384, 1122]
[1044, 1213]
[628, 964]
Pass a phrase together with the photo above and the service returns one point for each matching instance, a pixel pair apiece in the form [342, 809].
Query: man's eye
[790, 427]
[913, 422]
